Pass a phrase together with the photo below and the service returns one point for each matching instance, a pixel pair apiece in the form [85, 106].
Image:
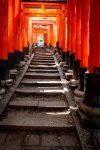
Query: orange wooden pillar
[73, 31]
[60, 28]
[84, 42]
[84, 32]
[67, 57]
[11, 34]
[78, 30]
[92, 90]
[76, 64]
[4, 65]
[51, 35]
[68, 26]
[21, 41]
[33, 35]
[17, 6]
[63, 29]
[45, 39]
[54, 35]
[48, 35]
[73, 26]
[94, 40]
[30, 32]
[58, 33]
[25, 48]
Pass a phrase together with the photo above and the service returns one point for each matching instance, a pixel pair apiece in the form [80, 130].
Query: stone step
[44, 54]
[42, 104]
[44, 67]
[38, 60]
[42, 63]
[43, 58]
[42, 75]
[41, 83]
[37, 120]
[39, 91]
[42, 71]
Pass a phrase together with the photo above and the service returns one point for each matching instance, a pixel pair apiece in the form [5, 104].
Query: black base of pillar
[81, 76]
[57, 44]
[60, 50]
[67, 57]
[96, 69]
[11, 59]
[63, 56]
[45, 44]
[50, 45]
[22, 56]
[25, 50]
[17, 56]
[71, 60]
[4, 69]
[0, 76]
[92, 89]
[76, 65]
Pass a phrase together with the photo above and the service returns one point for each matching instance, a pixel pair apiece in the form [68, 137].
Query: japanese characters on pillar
[94, 36]
[10, 26]
[4, 30]
[78, 29]
[73, 26]
[84, 32]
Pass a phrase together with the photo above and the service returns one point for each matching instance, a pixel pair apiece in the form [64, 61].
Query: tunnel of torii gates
[73, 28]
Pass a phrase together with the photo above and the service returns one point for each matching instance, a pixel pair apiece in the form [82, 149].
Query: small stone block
[68, 76]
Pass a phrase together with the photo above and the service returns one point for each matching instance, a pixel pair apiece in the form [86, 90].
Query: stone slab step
[42, 75]
[42, 71]
[42, 63]
[37, 120]
[23, 104]
[52, 105]
[40, 91]
[44, 67]
[38, 60]
[45, 58]
[43, 54]
[42, 104]
[41, 83]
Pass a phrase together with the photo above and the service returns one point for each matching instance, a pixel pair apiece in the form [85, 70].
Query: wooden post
[26, 34]
[84, 32]
[94, 40]
[4, 65]
[17, 7]
[69, 26]
[78, 30]
[73, 26]
[63, 29]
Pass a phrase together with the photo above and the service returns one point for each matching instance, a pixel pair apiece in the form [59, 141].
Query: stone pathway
[38, 116]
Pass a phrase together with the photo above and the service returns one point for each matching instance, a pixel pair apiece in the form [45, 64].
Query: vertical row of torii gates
[72, 25]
